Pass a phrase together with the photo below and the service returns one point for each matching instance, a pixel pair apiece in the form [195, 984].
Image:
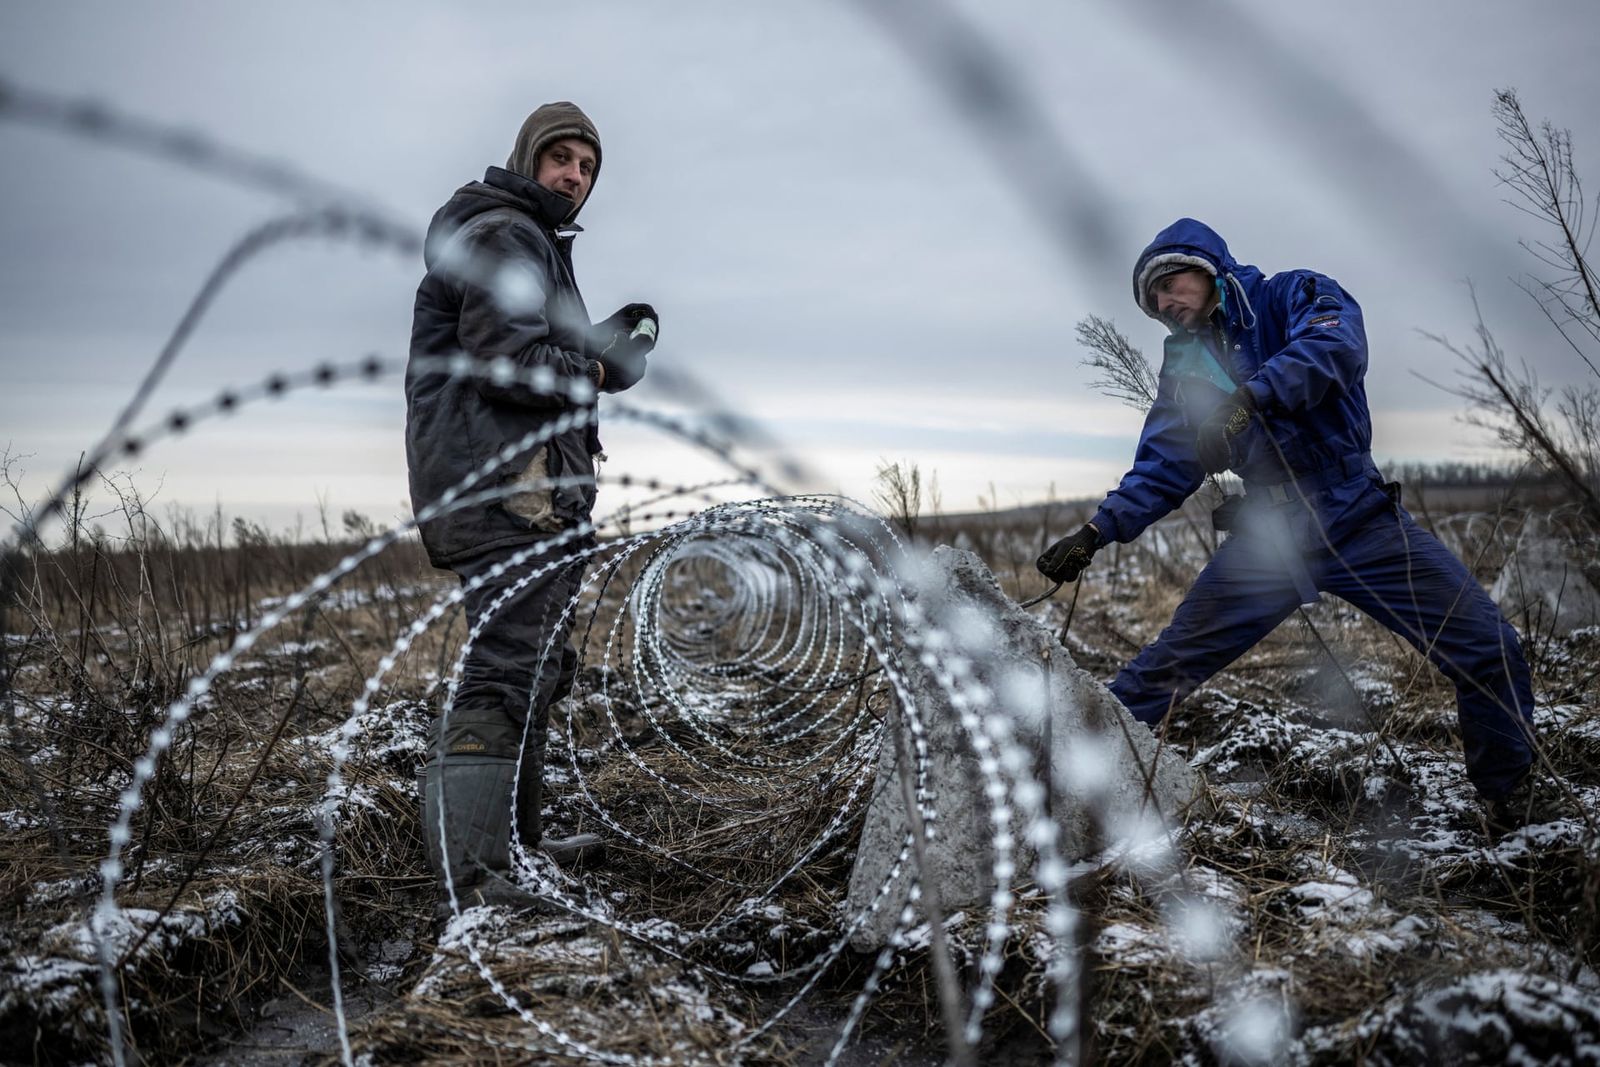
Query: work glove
[1214, 440]
[1066, 559]
[622, 321]
[620, 346]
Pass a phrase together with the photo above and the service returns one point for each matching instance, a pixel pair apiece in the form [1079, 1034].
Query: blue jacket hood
[1187, 242]
[1294, 341]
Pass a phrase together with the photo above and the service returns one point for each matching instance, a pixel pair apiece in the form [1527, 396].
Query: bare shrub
[1125, 373]
[1558, 431]
[899, 494]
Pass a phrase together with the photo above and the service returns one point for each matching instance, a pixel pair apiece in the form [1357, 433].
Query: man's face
[1185, 297]
[567, 167]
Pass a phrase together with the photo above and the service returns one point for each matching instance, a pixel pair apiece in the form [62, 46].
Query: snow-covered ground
[1336, 899]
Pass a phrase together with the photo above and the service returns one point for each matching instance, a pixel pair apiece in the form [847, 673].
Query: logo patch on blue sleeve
[1324, 320]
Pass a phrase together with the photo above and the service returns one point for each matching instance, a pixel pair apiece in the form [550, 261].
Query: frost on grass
[54, 987]
[592, 995]
[1503, 1016]
[1337, 899]
[1251, 1024]
[391, 737]
[1340, 914]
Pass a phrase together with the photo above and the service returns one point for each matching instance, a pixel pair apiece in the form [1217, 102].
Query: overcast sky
[843, 252]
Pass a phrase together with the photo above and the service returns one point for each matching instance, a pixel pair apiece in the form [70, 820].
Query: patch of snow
[1131, 945]
[19, 820]
[918, 938]
[1504, 1016]
[1251, 1023]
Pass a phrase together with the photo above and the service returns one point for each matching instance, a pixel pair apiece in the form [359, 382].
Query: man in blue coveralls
[1263, 376]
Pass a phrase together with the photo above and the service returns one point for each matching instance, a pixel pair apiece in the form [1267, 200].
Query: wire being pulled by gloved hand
[1063, 561]
[1046, 595]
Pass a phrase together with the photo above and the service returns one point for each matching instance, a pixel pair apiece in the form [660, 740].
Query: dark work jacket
[499, 283]
[1297, 343]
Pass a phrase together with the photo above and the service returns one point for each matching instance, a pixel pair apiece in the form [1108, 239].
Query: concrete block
[1107, 773]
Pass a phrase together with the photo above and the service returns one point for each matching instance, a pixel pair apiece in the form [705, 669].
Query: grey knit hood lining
[1158, 266]
[548, 124]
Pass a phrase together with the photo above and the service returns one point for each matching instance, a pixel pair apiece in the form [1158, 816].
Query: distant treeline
[209, 575]
[1451, 474]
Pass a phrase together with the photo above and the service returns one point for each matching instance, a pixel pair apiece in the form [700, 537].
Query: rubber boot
[475, 836]
[1534, 800]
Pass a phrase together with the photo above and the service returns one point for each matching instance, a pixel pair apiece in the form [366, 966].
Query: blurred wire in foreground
[980, 84]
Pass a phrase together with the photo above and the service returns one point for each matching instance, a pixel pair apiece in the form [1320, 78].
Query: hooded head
[549, 124]
[1187, 244]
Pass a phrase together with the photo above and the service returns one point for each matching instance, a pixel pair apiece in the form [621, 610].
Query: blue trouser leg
[1394, 571]
[1238, 598]
[1403, 577]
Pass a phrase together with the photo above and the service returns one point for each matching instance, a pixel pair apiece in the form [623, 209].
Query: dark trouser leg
[1238, 598]
[1402, 576]
[516, 657]
[494, 735]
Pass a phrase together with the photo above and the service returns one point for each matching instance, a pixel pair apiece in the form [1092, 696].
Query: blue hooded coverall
[1316, 517]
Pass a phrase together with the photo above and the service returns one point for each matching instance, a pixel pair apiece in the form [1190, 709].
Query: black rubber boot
[475, 835]
[475, 832]
[494, 890]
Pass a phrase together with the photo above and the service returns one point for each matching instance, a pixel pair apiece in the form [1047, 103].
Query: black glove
[1214, 440]
[622, 321]
[617, 349]
[623, 364]
[1066, 559]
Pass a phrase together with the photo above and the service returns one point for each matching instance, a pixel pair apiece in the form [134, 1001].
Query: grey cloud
[786, 184]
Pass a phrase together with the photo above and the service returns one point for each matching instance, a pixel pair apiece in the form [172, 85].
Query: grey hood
[548, 124]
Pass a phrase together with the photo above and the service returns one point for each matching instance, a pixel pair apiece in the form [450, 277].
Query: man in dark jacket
[1264, 377]
[499, 288]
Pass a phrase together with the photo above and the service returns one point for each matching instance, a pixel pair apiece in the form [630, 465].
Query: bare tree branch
[1124, 372]
[1538, 168]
